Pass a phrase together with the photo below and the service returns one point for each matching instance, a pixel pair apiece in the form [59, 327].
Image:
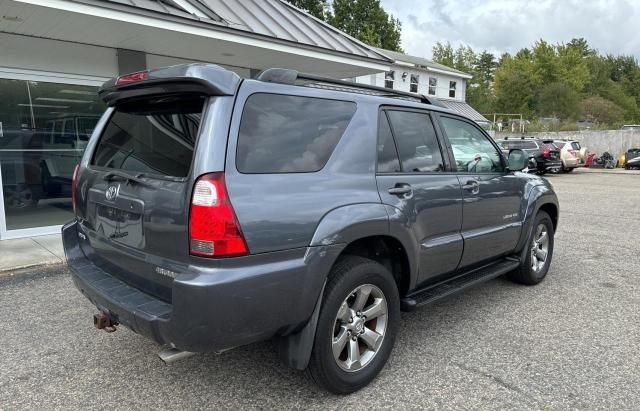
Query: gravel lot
[573, 342]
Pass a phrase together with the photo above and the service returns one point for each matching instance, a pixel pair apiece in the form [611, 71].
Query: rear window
[575, 145]
[521, 144]
[155, 136]
[289, 134]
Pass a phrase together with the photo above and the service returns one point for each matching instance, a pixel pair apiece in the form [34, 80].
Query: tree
[601, 110]
[317, 8]
[368, 22]
[558, 100]
[486, 68]
[581, 46]
[443, 54]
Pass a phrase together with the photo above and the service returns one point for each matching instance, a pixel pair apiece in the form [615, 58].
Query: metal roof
[463, 108]
[420, 61]
[270, 18]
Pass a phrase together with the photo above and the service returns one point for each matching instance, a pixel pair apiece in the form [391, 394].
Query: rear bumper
[573, 163]
[237, 302]
[550, 165]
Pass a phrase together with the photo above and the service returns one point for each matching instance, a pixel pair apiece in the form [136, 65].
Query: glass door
[44, 129]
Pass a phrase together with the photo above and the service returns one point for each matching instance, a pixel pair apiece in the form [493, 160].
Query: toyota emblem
[112, 192]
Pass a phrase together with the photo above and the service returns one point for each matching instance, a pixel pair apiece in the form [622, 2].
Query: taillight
[572, 152]
[74, 185]
[214, 230]
[546, 151]
[132, 78]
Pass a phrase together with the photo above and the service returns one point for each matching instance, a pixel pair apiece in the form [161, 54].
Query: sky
[610, 26]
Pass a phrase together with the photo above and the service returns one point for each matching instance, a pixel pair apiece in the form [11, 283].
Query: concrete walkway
[30, 252]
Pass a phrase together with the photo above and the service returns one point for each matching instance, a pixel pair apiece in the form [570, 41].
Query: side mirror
[518, 160]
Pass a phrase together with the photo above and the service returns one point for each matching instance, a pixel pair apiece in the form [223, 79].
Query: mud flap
[295, 349]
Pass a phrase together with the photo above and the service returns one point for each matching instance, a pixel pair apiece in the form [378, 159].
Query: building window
[389, 77]
[433, 84]
[413, 85]
[452, 89]
[44, 129]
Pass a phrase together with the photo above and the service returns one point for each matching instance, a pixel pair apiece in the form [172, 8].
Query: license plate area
[122, 226]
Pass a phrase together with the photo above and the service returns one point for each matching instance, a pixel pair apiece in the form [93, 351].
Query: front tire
[357, 326]
[539, 251]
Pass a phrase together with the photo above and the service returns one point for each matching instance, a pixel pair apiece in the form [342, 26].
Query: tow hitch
[102, 321]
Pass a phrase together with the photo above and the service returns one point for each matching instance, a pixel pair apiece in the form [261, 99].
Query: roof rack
[293, 77]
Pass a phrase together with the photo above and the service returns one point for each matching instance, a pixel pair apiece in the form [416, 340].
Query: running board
[459, 283]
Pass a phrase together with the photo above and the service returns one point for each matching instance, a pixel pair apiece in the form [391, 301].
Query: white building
[54, 54]
[422, 76]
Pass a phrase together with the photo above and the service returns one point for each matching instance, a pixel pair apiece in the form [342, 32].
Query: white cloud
[611, 26]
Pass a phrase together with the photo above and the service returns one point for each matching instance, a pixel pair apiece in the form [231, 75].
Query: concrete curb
[20, 269]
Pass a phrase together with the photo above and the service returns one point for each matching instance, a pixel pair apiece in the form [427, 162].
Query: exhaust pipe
[102, 321]
[171, 355]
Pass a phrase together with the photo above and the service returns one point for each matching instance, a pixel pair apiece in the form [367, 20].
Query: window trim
[444, 151]
[393, 79]
[417, 82]
[495, 145]
[453, 85]
[236, 131]
[435, 86]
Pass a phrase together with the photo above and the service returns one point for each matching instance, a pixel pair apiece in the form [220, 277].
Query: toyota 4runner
[212, 212]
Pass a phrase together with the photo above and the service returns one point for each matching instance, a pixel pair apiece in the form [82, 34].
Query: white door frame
[47, 77]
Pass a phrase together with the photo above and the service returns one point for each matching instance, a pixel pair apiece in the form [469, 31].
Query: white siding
[57, 56]
[442, 90]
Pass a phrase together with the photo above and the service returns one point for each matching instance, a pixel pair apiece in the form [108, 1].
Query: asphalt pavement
[572, 342]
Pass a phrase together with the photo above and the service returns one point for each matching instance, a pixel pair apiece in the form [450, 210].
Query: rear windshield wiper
[120, 176]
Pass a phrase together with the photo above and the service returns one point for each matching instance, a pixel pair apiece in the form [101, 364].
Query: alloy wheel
[539, 248]
[360, 327]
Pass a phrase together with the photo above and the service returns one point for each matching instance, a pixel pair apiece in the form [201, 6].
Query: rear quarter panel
[282, 211]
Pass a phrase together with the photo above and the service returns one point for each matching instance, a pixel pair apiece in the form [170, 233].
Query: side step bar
[454, 285]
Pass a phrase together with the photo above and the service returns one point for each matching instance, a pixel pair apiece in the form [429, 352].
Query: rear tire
[357, 286]
[568, 169]
[533, 269]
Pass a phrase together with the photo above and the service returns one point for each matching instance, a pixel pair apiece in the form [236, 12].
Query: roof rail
[293, 77]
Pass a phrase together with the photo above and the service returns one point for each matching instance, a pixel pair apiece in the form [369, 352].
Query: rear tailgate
[135, 182]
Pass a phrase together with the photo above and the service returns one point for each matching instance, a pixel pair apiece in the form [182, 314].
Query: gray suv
[213, 212]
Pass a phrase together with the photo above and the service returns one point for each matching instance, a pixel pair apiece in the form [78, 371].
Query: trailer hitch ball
[102, 321]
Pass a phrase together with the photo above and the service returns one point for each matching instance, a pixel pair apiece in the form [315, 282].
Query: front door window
[472, 150]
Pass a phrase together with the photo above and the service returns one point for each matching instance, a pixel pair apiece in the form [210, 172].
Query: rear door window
[154, 136]
[289, 134]
[388, 161]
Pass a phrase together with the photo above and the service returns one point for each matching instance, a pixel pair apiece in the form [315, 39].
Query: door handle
[401, 190]
[472, 186]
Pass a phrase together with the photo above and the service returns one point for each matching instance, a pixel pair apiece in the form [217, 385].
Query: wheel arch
[541, 197]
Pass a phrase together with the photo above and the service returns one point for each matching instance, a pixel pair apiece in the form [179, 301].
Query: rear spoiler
[207, 79]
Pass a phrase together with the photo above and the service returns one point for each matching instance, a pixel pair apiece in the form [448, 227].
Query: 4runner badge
[112, 192]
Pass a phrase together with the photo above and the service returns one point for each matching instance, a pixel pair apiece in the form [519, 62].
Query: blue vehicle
[212, 212]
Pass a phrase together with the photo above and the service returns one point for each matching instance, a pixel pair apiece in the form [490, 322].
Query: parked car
[213, 212]
[632, 159]
[543, 155]
[572, 154]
